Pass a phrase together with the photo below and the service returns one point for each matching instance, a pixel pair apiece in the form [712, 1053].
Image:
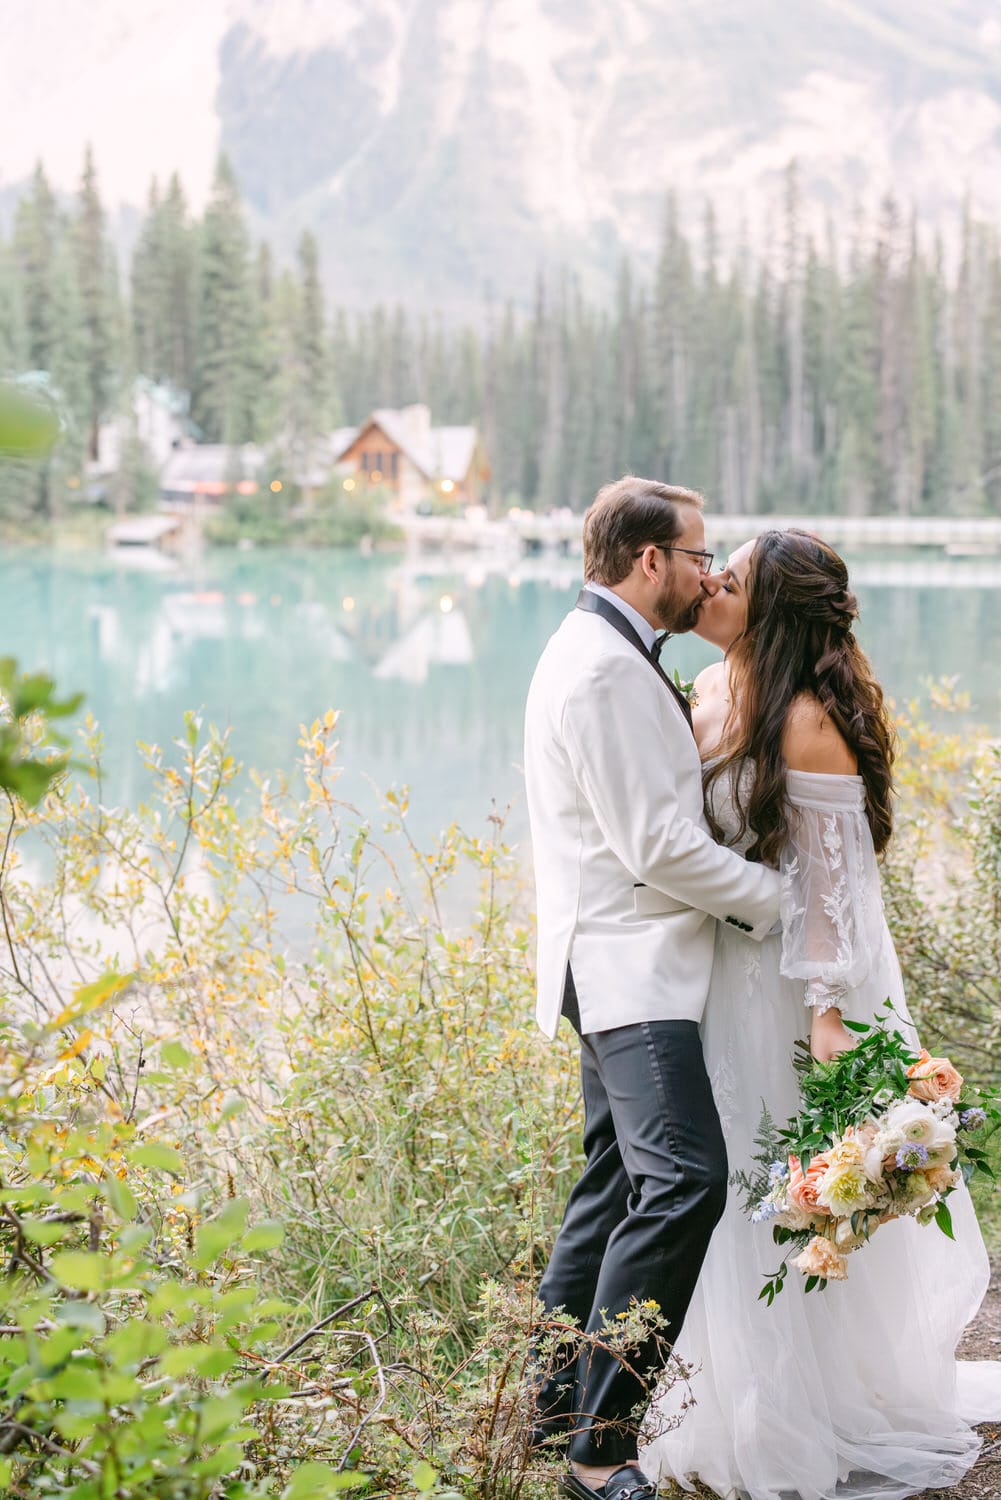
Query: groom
[628, 880]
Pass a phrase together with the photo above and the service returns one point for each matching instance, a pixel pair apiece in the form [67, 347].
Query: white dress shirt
[642, 627]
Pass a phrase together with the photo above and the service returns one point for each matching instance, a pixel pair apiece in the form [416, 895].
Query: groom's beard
[677, 615]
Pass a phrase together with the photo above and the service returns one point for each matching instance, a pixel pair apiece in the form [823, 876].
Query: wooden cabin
[419, 464]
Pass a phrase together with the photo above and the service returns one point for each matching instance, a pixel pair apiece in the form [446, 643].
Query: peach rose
[820, 1258]
[943, 1178]
[934, 1078]
[804, 1186]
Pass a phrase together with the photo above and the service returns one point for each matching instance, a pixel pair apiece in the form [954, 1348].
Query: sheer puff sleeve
[832, 909]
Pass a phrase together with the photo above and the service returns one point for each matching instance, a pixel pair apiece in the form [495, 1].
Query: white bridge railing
[523, 531]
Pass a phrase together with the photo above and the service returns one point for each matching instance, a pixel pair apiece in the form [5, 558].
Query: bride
[853, 1391]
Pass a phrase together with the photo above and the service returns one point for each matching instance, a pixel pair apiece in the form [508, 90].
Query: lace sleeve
[831, 901]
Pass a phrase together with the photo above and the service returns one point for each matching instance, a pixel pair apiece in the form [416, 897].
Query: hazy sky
[136, 78]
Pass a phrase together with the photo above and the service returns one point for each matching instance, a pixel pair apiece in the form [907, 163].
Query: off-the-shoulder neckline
[816, 775]
[825, 775]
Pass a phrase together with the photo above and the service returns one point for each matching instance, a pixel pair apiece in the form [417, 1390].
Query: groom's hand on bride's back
[829, 1036]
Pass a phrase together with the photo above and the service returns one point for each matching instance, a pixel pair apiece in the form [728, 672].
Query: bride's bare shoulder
[711, 679]
[811, 742]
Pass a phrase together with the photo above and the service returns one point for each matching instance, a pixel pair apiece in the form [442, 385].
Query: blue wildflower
[972, 1119]
[776, 1170]
[911, 1158]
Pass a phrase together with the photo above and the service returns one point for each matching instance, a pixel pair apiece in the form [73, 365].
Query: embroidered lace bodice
[832, 909]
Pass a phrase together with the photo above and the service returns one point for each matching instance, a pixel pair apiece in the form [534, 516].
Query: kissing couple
[707, 886]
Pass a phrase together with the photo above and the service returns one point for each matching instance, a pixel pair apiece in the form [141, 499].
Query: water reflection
[428, 658]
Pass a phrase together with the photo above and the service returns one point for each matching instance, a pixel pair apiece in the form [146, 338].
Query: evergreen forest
[859, 371]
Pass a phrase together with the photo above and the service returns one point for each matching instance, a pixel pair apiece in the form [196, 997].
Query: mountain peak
[440, 146]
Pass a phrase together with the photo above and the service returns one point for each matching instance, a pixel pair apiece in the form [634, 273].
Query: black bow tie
[658, 645]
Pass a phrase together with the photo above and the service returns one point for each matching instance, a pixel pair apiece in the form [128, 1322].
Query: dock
[144, 531]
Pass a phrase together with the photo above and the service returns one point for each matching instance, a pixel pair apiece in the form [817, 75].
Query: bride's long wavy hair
[798, 639]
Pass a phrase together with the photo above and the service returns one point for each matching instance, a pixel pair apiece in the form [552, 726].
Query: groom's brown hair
[626, 516]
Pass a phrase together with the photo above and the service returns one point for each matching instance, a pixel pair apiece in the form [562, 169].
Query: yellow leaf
[83, 1040]
[90, 996]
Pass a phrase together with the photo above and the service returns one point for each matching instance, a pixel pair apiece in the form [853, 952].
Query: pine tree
[553, 385]
[273, 336]
[96, 276]
[857, 474]
[225, 377]
[822, 334]
[71, 375]
[339, 363]
[37, 232]
[672, 313]
[970, 289]
[311, 359]
[147, 285]
[991, 381]
[177, 245]
[13, 328]
[792, 320]
[940, 482]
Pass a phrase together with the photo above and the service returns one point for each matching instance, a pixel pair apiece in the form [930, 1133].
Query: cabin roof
[440, 453]
[210, 463]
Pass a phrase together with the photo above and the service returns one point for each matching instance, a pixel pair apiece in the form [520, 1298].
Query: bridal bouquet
[881, 1134]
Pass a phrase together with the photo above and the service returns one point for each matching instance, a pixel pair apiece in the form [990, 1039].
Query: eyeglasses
[705, 558]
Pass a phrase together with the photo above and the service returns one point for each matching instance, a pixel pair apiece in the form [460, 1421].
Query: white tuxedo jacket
[627, 874]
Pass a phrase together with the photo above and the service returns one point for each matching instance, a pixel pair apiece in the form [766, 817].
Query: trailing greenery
[855, 374]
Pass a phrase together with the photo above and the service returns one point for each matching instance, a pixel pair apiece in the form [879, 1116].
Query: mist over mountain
[443, 148]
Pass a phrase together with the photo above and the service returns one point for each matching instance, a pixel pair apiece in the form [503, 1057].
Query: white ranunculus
[916, 1124]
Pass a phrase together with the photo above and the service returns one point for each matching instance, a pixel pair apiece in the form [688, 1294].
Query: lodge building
[399, 452]
[418, 464]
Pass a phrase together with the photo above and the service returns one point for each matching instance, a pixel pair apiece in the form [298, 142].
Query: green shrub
[332, 518]
[942, 886]
[272, 1211]
[382, 1101]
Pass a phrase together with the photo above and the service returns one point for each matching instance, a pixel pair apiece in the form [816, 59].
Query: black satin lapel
[594, 604]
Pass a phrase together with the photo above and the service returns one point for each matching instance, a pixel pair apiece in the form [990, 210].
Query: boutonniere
[686, 689]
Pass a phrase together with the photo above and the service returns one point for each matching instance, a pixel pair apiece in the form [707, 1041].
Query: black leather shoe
[627, 1483]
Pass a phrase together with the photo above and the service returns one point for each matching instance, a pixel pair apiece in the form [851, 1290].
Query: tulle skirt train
[852, 1392]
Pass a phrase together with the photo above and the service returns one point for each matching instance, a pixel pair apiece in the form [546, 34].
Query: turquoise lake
[428, 658]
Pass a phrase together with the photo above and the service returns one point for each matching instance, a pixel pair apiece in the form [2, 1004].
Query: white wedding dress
[853, 1391]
